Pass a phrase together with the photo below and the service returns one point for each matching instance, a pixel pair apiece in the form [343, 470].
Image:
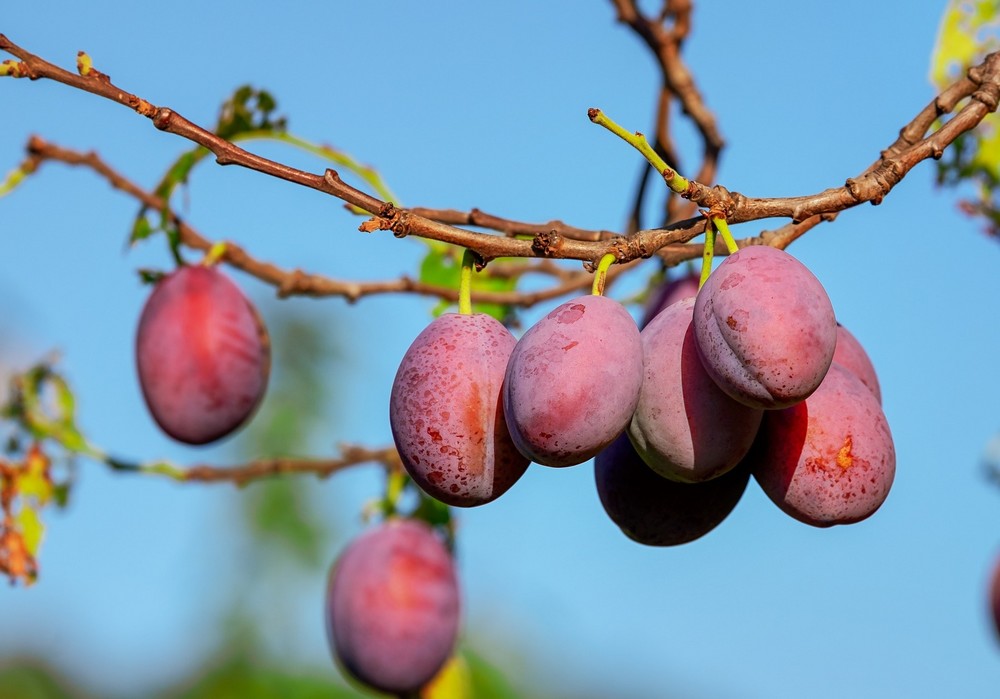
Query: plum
[657, 511]
[669, 293]
[684, 426]
[202, 354]
[765, 328]
[830, 459]
[852, 356]
[573, 381]
[392, 607]
[446, 415]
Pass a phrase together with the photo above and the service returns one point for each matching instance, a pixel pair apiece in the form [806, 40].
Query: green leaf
[151, 276]
[30, 525]
[968, 31]
[442, 266]
[33, 479]
[141, 228]
[249, 109]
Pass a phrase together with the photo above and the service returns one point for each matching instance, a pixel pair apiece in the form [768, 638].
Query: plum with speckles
[765, 328]
[684, 426]
[657, 511]
[669, 293]
[446, 414]
[392, 607]
[573, 381]
[202, 355]
[830, 459]
[852, 356]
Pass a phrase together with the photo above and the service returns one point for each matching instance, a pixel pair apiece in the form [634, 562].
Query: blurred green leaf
[280, 512]
[33, 479]
[141, 228]
[30, 679]
[249, 109]
[442, 266]
[31, 527]
[969, 30]
[151, 276]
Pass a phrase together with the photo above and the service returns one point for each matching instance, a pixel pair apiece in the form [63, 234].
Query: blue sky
[485, 105]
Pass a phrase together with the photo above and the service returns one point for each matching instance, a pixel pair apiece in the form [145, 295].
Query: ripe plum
[830, 459]
[685, 427]
[657, 511]
[670, 293]
[573, 381]
[765, 328]
[392, 607]
[446, 415]
[202, 354]
[852, 356]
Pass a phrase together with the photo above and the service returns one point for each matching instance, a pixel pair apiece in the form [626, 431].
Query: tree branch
[982, 85]
[298, 283]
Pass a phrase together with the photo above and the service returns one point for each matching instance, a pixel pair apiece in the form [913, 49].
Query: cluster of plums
[750, 375]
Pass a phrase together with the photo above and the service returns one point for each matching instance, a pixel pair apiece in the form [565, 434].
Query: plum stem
[720, 223]
[465, 283]
[676, 183]
[214, 255]
[707, 255]
[601, 274]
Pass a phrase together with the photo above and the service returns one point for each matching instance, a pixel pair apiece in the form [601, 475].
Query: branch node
[162, 117]
[547, 244]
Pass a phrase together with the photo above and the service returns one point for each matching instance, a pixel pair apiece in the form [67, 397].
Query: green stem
[214, 254]
[394, 486]
[708, 254]
[14, 178]
[720, 223]
[465, 283]
[676, 183]
[601, 275]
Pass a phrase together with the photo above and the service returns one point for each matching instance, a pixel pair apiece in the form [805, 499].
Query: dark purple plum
[669, 293]
[392, 607]
[830, 459]
[202, 354]
[765, 328]
[852, 356]
[657, 511]
[573, 381]
[446, 414]
[685, 427]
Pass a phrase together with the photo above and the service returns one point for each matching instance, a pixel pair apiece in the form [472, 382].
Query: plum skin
[202, 355]
[393, 606]
[573, 380]
[852, 356]
[668, 294]
[684, 426]
[830, 459]
[446, 415]
[657, 511]
[765, 327]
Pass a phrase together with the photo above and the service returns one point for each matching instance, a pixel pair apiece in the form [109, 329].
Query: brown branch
[665, 43]
[351, 455]
[296, 282]
[982, 85]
